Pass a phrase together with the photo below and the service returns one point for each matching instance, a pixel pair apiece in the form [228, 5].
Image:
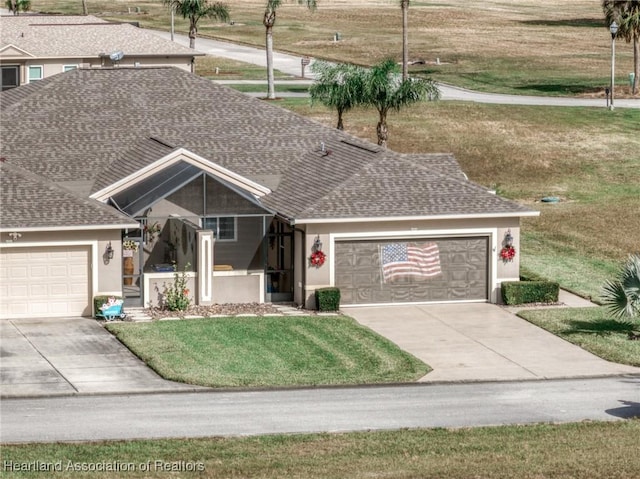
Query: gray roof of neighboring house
[57, 208]
[94, 127]
[60, 36]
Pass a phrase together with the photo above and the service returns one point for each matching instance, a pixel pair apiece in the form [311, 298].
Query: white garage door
[44, 282]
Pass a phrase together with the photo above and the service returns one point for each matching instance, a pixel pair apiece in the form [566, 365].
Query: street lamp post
[613, 28]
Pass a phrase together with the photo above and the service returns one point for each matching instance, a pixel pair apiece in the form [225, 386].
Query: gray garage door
[412, 270]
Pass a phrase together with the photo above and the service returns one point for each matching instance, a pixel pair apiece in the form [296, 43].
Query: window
[67, 68]
[224, 227]
[10, 76]
[35, 73]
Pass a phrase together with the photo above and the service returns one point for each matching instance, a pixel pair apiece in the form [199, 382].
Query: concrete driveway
[481, 342]
[66, 356]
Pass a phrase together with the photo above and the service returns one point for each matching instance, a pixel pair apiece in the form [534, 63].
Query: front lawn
[592, 329]
[579, 451]
[268, 351]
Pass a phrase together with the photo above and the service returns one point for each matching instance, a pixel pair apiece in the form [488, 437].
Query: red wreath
[507, 253]
[317, 258]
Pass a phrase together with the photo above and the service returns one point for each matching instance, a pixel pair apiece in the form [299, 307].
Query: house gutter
[414, 218]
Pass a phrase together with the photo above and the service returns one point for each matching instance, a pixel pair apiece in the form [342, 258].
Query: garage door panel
[45, 281]
[459, 271]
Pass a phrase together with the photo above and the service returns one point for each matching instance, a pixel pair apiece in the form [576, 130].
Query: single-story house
[33, 47]
[110, 177]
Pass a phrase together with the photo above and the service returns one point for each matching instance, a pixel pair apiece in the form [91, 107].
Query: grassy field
[543, 47]
[268, 351]
[591, 329]
[570, 451]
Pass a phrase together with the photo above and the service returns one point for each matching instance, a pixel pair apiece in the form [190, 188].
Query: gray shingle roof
[54, 36]
[56, 207]
[95, 126]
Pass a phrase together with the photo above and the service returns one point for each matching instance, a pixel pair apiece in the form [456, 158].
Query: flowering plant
[317, 258]
[176, 296]
[131, 245]
[507, 253]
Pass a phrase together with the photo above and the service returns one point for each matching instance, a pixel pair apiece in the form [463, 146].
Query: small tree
[337, 86]
[385, 89]
[194, 10]
[622, 295]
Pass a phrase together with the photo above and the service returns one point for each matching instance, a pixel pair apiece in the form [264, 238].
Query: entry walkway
[481, 342]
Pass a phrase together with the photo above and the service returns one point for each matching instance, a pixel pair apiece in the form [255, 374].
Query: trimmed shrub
[522, 292]
[328, 299]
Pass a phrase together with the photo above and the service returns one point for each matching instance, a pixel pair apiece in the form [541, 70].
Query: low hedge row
[328, 299]
[522, 292]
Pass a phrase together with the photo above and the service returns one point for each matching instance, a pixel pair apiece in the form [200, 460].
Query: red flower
[185, 292]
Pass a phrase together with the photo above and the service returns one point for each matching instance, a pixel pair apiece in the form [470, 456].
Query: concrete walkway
[481, 342]
[68, 356]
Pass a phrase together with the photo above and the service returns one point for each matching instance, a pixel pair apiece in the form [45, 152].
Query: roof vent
[116, 56]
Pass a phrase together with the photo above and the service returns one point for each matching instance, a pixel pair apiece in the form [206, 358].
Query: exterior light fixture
[508, 239]
[317, 244]
[108, 253]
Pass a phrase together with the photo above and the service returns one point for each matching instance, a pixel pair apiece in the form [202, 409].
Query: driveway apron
[62, 356]
[481, 342]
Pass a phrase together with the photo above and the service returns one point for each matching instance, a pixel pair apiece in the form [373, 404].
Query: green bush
[522, 292]
[98, 301]
[328, 299]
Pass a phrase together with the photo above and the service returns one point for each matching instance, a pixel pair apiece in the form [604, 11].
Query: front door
[132, 263]
[279, 272]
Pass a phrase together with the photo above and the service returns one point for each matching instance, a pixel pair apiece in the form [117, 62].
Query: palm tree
[622, 296]
[194, 10]
[385, 89]
[16, 6]
[627, 14]
[338, 86]
[404, 4]
[269, 21]
[85, 10]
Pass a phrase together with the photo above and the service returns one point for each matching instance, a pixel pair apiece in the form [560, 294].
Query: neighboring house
[110, 176]
[33, 47]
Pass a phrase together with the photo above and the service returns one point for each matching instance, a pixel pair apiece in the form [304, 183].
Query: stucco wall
[495, 228]
[109, 272]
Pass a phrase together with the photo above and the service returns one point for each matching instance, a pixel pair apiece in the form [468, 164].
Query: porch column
[205, 267]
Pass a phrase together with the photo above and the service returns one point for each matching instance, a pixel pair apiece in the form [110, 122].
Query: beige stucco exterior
[329, 233]
[105, 274]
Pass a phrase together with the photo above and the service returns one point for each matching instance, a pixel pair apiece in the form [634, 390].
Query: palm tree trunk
[404, 4]
[636, 63]
[193, 32]
[85, 11]
[340, 123]
[268, 21]
[382, 130]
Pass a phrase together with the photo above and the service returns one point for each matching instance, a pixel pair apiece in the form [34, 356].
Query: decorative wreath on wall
[507, 253]
[317, 258]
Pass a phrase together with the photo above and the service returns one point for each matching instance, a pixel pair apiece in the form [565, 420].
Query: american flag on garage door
[409, 260]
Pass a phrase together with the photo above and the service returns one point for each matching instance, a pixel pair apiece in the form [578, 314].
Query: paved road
[290, 64]
[89, 418]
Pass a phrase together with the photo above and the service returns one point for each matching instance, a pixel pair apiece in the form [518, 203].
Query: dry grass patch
[523, 46]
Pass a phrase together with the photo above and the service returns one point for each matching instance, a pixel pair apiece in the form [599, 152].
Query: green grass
[591, 329]
[569, 451]
[268, 351]
[233, 70]
[280, 88]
